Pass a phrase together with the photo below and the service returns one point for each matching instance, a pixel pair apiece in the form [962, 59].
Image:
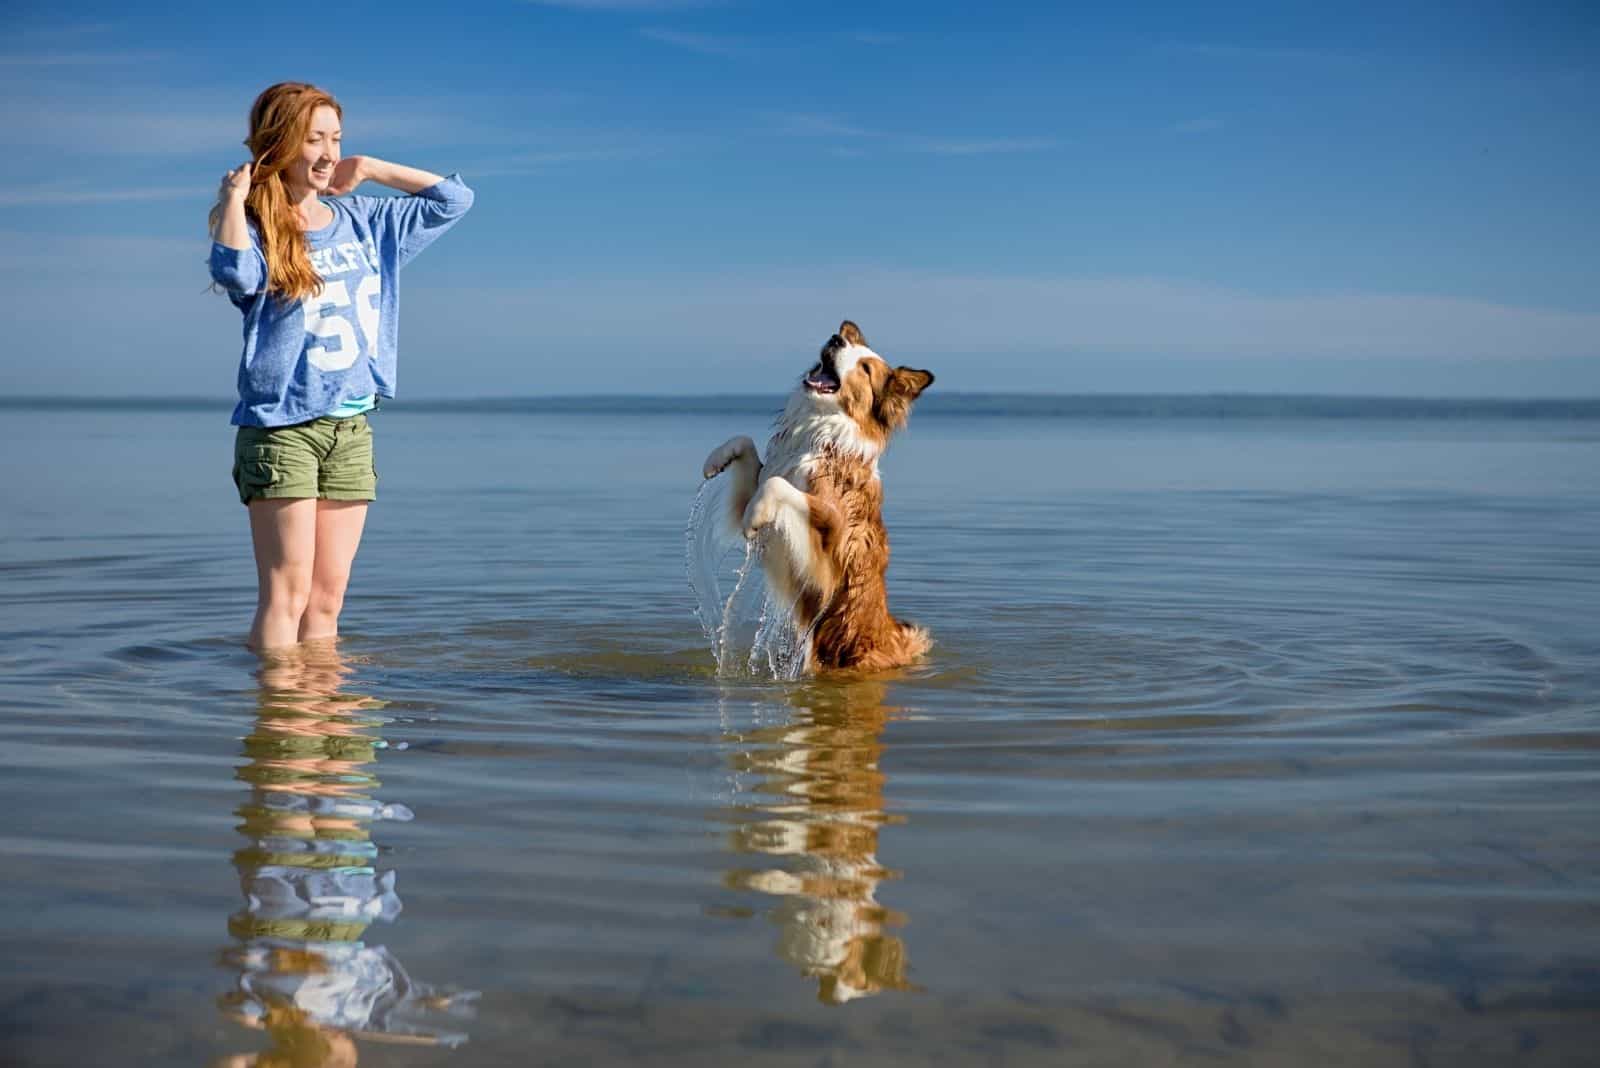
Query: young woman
[318, 283]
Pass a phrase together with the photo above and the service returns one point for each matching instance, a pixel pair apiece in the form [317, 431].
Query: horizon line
[950, 405]
[16, 400]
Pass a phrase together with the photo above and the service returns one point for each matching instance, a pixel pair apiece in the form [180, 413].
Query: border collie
[817, 502]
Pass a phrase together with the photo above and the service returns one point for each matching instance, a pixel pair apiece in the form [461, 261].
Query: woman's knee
[287, 590]
[325, 600]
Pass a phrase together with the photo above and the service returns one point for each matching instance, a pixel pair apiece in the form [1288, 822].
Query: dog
[818, 499]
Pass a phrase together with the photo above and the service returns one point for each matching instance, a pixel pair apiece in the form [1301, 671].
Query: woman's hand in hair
[229, 226]
[235, 185]
[349, 173]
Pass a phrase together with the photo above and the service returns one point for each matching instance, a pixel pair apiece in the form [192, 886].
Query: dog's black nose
[833, 345]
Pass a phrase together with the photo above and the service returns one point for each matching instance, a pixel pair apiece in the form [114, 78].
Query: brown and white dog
[819, 496]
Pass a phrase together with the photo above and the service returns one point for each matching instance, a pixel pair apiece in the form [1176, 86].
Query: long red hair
[280, 121]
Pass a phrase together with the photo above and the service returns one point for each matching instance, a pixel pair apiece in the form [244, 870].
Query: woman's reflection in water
[819, 794]
[310, 880]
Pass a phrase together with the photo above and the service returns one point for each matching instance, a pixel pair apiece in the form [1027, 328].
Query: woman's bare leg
[284, 534]
[339, 526]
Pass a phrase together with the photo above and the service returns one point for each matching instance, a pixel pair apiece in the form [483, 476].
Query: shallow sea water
[1262, 740]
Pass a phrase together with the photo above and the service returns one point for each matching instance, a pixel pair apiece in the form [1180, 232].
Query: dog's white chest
[790, 460]
[802, 440]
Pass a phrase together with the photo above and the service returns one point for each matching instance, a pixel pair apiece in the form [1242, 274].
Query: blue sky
[687, 197]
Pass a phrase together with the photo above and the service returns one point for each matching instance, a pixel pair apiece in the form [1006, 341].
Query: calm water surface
[1265, 741]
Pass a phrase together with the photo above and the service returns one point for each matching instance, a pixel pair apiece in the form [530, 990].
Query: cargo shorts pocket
[255, 473]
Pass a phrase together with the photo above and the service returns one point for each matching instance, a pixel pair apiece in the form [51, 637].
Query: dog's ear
[852, 334]
[904, 385]
[910, 381]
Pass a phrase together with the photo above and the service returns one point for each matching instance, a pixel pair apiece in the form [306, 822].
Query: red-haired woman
[318, 283]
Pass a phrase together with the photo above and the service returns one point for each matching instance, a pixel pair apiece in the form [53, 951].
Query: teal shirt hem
[354, 406]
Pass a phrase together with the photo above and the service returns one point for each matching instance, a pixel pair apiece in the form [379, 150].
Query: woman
[318, 283]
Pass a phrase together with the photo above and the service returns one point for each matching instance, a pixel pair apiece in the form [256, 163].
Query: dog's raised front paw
[725, 454]
[763, 509]
[758, 517]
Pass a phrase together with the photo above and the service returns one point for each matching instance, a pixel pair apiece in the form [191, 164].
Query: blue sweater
[303, 359]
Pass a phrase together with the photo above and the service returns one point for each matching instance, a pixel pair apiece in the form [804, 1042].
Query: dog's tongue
[822, 380]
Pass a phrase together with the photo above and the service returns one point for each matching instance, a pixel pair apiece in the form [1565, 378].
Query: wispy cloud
[977, 146]
[874, 37]
[80, 59]
[1255, 53]
[565, 150]
[926, 312]
[731, 46]
[61, 31]
[627, 5]
[168, 125]
[108, 131]
[15, 197]
[1198, 126]
[804, 124]
[114, 257]
[859, 138]
[707, 44]
[1029, 331]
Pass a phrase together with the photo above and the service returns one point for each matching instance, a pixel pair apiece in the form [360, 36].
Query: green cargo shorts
[327, 458]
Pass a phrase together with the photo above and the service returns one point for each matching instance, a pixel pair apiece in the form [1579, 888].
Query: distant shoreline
[1034, 405]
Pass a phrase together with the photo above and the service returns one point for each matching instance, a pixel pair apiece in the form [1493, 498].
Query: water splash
[750, 630]
[777, 643]
[709, 547]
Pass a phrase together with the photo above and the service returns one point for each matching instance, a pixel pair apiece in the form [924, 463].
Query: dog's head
[850, 378]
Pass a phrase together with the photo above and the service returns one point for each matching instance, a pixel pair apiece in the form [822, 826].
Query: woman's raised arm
[353, 170]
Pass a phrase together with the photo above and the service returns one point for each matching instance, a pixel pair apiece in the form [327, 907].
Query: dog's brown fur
[855, 628]
[839, 582]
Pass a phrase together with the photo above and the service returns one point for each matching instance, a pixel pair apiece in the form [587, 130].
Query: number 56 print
[328, 320]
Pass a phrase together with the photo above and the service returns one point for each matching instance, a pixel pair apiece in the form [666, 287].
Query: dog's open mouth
[821, 380]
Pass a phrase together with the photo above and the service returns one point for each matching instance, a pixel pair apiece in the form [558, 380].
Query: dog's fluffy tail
[915, 641]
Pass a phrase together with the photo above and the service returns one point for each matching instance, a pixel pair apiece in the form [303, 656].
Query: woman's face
[313, 167]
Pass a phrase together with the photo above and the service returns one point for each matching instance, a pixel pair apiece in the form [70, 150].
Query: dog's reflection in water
[309, 878]
[815, 793]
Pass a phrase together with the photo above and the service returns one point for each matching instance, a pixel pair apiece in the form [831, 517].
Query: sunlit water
[1257, 740]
